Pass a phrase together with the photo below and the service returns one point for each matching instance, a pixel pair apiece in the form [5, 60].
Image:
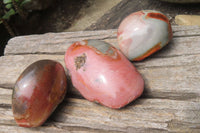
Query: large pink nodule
[101, 73]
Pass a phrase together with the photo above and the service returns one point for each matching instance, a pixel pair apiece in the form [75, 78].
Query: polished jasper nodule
[103, 74]
[37, 92]
[143, 33]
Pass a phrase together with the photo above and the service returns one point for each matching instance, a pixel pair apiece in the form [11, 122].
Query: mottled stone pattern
[143, 33]
[103, 75]
[38, 90]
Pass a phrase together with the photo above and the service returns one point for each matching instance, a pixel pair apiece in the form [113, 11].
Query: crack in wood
[5, 106]
[196, 35]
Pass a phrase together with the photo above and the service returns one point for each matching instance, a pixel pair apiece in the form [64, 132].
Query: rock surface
[187, 19]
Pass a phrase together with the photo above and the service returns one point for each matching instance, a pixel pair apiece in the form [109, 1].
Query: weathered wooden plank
[57, 43]
[12, 66]
[52, 129]
[53, 43]
[170, 103]
[174, 77]
[79, 114]
[5, 95]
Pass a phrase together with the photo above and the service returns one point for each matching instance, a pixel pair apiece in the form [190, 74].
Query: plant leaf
[7, 1]
[9, 14]
[25, 1]
[1, 22]
[8, 6]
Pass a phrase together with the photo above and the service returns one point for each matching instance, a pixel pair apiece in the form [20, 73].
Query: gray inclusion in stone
[101, 46]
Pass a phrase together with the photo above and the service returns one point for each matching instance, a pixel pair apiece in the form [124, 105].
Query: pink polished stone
[143, 33]
[103, 74]
[38, 91]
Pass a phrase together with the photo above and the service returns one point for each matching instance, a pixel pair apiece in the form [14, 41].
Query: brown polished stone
[38, 91]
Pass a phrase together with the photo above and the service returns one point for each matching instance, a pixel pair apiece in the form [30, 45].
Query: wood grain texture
[173, 77]
[57, 43]
[171, 99]
[156, 114]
